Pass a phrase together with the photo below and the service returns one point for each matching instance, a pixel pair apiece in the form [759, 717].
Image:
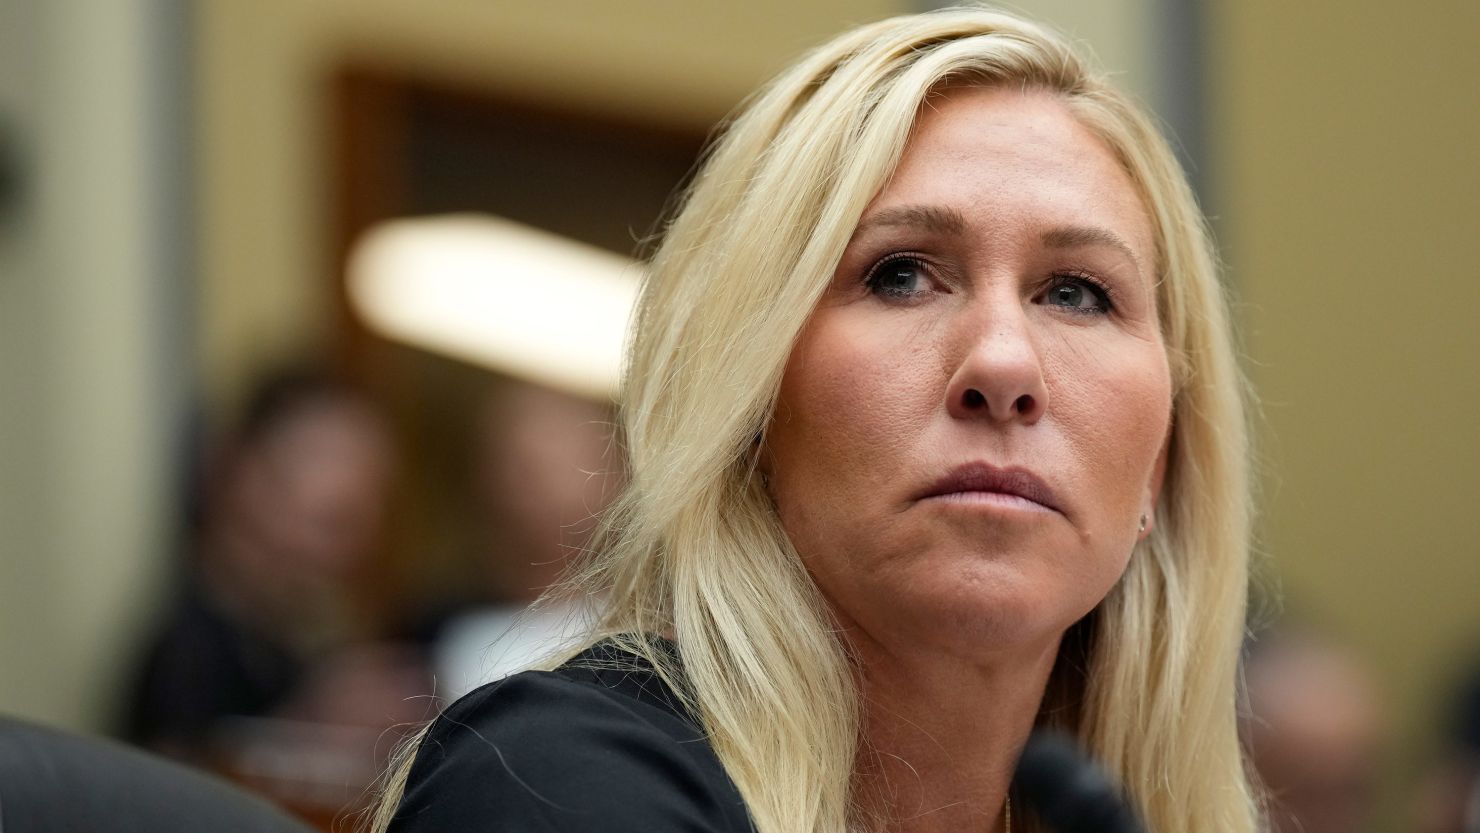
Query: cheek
[849, 396]
[1114, 409]
[851, 399]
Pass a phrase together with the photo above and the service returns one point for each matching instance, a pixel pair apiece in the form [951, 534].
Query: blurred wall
[84, 342]
[1346, 146]
[263, 105]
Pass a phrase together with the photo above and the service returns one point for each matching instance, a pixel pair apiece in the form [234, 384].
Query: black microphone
[1070, 792]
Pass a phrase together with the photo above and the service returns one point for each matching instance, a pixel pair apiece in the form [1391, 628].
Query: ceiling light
[499, 294]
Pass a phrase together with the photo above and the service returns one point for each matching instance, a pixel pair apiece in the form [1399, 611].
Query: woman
[935, 434]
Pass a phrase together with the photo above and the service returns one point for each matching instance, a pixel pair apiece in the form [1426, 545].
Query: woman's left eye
[1077, 294]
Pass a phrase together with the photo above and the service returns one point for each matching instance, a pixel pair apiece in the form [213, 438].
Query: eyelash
[1104, 295]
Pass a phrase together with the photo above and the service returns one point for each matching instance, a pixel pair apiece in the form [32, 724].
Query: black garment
[202, 666]
[600, 744]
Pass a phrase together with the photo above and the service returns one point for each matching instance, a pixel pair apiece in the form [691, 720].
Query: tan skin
[996, 306]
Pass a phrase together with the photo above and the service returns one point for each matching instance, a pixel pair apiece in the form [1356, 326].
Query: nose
[999, 375]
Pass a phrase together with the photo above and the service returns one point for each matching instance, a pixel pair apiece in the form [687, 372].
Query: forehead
[1009, 159]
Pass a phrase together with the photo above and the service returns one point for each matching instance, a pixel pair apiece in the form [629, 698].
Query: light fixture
[498, 294]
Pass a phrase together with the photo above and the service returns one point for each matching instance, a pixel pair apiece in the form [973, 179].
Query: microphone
[1070, 792]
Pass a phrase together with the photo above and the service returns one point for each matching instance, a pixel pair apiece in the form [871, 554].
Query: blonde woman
[935, 435]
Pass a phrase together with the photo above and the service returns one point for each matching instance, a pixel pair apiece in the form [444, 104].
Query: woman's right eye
[898, 276]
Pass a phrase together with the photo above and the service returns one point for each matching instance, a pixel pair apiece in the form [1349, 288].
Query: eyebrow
[931, 218]
[944, 220]
[1070, 237]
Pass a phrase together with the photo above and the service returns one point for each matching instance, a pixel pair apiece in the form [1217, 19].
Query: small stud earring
[1143, 523]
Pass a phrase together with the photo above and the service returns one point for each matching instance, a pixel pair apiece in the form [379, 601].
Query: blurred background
[254, 510]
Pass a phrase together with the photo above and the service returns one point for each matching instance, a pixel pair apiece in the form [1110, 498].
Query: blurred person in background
[1314, 731]
[265, 624]
[1450, 794]
[541, 472]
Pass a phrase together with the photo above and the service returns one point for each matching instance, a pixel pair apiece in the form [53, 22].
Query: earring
[1143, 524]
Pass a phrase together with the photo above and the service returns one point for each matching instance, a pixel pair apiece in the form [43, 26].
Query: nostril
[1024, 404]
[973, 399]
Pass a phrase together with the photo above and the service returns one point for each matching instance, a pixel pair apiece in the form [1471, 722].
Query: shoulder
[573, 750]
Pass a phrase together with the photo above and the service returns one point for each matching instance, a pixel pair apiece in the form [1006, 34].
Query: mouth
[984, 483]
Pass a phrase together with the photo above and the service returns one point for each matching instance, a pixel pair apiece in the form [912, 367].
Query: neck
[941, 737]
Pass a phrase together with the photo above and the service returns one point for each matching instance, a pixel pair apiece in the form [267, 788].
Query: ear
[760, 455]
[1153, 487]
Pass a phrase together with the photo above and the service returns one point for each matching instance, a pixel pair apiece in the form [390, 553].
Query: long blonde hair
[693, 548]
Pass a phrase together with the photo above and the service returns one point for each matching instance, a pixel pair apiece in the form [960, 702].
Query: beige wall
[83, 430]
[1347, 160]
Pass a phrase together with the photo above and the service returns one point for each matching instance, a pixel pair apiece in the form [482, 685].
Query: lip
[985, 479]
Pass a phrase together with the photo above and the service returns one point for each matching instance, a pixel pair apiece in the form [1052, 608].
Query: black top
[600, 744]
[203, 665]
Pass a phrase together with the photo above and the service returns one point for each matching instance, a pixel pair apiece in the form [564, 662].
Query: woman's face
[974, 419]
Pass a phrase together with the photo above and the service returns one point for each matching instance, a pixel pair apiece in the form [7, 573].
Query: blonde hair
[693, 547]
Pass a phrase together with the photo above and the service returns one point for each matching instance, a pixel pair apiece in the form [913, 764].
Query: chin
[989, 610]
